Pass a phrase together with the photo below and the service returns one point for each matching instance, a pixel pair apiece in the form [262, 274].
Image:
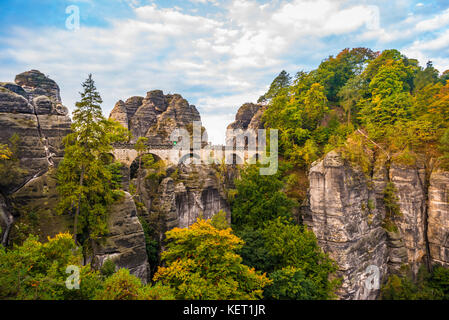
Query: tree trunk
[75, 227]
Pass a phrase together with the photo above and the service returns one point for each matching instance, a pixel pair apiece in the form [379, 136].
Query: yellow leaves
[5, 153]
[60, 236]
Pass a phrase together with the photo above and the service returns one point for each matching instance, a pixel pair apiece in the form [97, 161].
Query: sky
[216, 54]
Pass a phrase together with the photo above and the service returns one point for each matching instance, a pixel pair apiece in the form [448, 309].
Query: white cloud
[217, 62]
[434, 23]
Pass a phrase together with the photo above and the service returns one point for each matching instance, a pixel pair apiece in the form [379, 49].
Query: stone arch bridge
[171, 155]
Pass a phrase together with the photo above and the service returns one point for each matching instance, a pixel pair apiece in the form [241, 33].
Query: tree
[37, 271]
[281, 82]
[292, 245]
[124, 286]
[350, 94]
[259, 198]
[83, 176]
[290, 283]
[201, 263]
[10, 169]
[315, 107]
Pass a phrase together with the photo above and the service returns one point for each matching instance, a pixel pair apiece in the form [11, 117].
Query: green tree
[296, 246]
[290, 283]
[84, 181]
[37, 271]
[281, 82]
[124, 286]
[201, 263]
[259, 198]
[10, 169]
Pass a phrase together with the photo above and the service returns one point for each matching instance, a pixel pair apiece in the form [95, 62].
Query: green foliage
[392, 208]
[281, 82]
[401, 106]
[108, 268]
[255, 252]
[201, 263]
[259, 198]
[152, 246]
[433, 286]
[124, 286]
[86, 182]
[37, 271]
[291, 283]
[220, 221]
[296, 246]
[10, 169]
[291, 255]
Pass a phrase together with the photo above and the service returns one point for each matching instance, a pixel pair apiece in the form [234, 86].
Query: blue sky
[217, 54]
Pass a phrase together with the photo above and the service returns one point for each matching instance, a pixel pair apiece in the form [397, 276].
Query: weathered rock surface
[37, 84]
[32, 109]
[195, 192]
[346, 211]
[155, 116]
[410, 185]
[347, 225]
[247, 117]
[438, 218]
[34, 209]
[125, 243]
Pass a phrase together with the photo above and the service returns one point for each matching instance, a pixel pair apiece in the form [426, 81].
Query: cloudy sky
[217, 54]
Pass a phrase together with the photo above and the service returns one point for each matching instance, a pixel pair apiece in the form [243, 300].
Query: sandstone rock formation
[125, 243]
[347, 225]
[195, 193]
[346, 212]
[155, 116]
[438, 217]
[249, 116]
[31, 108]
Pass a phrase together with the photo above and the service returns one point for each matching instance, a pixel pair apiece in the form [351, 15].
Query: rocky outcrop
[31, 108]
[438, 217]
[125, 242]
[34, 209]
[155, 116]
[195, 192]
[343, 216]
[249, 116]
[36, 84]
[347, 213]
[411, 192]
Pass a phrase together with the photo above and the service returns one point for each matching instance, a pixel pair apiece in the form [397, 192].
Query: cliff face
[438, 218]
[31, 108]
[249, 116]
[346, 212]
[125, 243]
[348, 227]
[196, 192]
[155, 116]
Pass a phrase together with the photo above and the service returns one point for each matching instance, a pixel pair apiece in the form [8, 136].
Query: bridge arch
[188, 158]
[134, 167]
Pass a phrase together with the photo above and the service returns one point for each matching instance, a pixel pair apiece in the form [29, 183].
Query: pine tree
[84, 177]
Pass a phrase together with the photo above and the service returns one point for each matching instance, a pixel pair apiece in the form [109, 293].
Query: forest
[360, 103]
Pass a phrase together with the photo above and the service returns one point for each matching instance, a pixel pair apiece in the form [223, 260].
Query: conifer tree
[84, 177]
